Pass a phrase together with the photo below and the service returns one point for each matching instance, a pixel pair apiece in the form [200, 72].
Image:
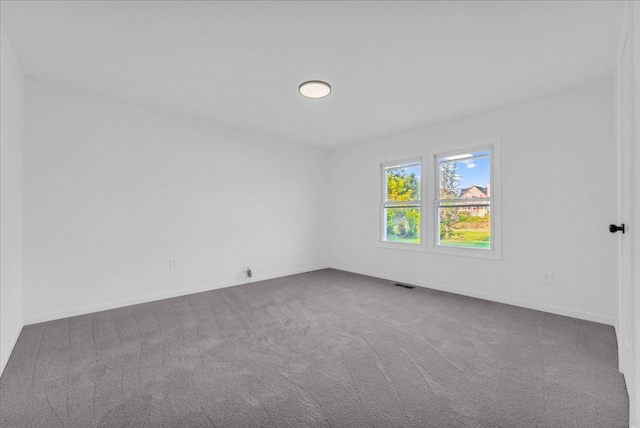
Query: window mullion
[465, 200]
[401, 204]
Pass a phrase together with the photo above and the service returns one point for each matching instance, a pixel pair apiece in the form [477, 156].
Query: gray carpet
[326, 348]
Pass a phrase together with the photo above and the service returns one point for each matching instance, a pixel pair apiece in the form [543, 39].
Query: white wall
[11, 151]
[113, 191]
[558, 198]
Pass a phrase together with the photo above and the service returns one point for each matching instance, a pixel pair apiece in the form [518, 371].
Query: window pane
[465, 176]
[403, 182]
[467, 226]
[402, 225]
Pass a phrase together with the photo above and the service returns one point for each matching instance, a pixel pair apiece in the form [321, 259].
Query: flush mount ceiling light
[315, 89]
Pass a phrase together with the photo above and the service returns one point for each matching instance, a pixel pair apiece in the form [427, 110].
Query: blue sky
[475, 171]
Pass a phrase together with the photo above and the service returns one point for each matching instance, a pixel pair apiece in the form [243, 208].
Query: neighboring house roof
[483, 190]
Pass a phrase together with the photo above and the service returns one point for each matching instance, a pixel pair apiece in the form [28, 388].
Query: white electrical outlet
[547, 278]
[173, 264]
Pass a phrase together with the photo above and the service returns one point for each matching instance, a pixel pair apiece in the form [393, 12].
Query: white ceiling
[392, 65]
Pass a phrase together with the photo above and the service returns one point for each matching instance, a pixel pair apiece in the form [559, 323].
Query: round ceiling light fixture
[315, 89]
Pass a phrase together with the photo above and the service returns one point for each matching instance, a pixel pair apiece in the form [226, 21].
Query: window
[401, 199]
[466, 201]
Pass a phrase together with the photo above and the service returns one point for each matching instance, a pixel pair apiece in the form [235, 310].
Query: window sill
[401, 246]
[466, 252]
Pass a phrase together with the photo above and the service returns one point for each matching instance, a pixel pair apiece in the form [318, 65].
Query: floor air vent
[404, 286]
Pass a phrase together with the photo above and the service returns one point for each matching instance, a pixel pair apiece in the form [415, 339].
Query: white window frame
[382, 223]
[433, 225]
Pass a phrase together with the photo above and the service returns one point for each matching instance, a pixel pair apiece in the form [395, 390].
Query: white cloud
[471, 165]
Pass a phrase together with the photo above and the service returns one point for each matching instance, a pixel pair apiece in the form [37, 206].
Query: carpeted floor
[325, 348]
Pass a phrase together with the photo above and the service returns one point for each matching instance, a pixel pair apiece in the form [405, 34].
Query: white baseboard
[486, 296]
[34, 319]
[7, 353]
[182, 292]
